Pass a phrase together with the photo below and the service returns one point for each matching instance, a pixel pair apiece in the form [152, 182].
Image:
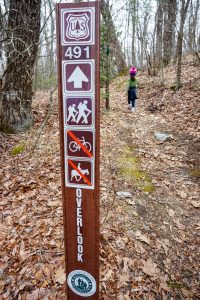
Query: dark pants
[132, 96]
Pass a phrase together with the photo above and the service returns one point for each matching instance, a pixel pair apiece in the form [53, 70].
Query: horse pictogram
[80, 173]
[75, 174]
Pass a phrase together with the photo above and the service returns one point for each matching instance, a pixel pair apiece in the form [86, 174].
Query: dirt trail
[154, 233]
[149, 242]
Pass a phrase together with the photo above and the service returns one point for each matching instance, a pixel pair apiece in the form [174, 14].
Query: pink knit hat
[133, 71]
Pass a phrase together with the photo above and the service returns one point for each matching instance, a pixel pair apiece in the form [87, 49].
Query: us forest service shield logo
[77, 26]
[82, 283]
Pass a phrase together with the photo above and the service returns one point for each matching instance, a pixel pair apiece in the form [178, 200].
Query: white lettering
[79, 222]
[77, 52]
[79, 212]
[79, 231]
[78, 202]
[80, 257]
[80, 240]
[80, 248]
[79, 193]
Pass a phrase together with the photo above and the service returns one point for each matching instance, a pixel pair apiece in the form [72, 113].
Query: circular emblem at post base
[82, 283]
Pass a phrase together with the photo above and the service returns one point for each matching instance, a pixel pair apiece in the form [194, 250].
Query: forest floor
[149, 242]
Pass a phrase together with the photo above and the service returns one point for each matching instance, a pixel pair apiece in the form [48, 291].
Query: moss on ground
[18, 149]
[130, 170]
[195, 173]
[175, 285]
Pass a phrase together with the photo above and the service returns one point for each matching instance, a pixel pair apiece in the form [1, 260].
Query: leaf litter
[148, 244]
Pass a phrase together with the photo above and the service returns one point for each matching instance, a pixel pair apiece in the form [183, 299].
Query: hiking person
[132, 89]
[84, 112]
[72, 113]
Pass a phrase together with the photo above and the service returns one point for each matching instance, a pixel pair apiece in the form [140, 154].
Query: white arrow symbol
[78, 77]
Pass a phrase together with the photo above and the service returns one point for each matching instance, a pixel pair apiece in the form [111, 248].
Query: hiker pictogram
[80, 174]
[80, 143]
[72, 113]
[79, 113]
[78, 76]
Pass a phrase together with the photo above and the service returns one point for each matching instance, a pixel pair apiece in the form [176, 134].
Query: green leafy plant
[18, 149]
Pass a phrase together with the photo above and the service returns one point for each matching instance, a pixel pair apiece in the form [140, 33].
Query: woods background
[146, 34]
[148, 241]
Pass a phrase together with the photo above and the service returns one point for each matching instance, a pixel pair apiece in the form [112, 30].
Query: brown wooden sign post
[78, 78]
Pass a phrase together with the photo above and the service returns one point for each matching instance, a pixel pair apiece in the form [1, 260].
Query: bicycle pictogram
[75, 147]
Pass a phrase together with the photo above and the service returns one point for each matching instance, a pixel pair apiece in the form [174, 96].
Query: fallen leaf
[139, 248]
[149, 267]
[2, 232]
[123, 279]
[182, 194]
[22, 252]
[142, 237]
[171, 212]
[60, 276]
[125, 296]
[36, 294]
[108, 274]
[196, 204]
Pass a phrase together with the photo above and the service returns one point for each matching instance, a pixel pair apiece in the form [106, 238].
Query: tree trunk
[52, 58]
[16, 92]
[194, 29]
[169, 27]
[108, 33]
[190, 28]
[3, 36]
[115, 45]
[133, 6]
[126, 30]
[184, 10]
[159, 33]
[107, 86]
